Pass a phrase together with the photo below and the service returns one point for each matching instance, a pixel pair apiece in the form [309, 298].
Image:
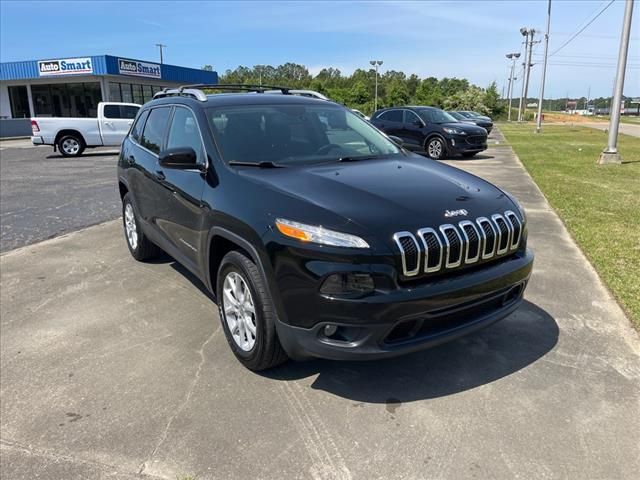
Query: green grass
[599, 204]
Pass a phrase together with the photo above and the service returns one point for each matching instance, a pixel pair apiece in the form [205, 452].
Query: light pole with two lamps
[376, 64]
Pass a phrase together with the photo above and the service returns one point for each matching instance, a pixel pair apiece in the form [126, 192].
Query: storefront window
[147, 93]
[137, 94]
[114, 92]
[19, 102]
[125, 90]
[66, 100]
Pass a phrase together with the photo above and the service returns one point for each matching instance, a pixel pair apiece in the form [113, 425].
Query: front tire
[435, 148]
[71, 145]
[140, 247]
[247, 313]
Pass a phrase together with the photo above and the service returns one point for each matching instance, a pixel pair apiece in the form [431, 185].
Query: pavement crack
[58, 457]
[182, 405]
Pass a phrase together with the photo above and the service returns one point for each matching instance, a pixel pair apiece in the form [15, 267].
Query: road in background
[625, 128]
[43, 194]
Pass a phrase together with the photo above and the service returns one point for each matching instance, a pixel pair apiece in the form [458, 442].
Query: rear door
[390, 122]
[179, 213]
[141, 158]
[412, 131]
[115, 122]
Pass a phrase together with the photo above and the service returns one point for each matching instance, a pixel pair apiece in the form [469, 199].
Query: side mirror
[184, 158]
[397, 140]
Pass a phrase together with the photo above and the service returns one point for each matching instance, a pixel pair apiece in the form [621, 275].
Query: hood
[383, 196]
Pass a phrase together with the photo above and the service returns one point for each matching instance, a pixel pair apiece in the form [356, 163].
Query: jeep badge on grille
[455, 213]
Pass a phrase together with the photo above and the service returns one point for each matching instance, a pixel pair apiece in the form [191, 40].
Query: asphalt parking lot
[120, 370]
[43, 194]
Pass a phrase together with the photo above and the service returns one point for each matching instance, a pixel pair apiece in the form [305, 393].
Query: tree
[208, 68]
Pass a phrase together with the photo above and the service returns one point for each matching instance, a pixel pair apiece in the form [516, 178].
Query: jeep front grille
[450, 246]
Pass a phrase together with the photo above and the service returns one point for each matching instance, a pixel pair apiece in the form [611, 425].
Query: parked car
[431, 130]
[360, 114]
[486, 124]
[71, 136]
[317, 242]
[470, 114]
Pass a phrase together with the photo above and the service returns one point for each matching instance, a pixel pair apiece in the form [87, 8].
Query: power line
[582, 29]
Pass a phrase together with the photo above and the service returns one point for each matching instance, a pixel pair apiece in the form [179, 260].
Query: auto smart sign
[65, 66]
[141, 69]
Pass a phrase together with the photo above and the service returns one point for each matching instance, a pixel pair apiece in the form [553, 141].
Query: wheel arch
[69, 131]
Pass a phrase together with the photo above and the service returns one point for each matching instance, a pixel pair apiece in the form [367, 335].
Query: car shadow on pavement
[472, 361]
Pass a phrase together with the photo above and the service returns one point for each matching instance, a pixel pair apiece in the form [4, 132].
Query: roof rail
[196, 92]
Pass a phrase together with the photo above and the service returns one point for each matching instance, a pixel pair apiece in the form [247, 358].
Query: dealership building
[72, 87]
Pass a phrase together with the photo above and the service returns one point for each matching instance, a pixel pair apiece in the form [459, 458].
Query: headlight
[453, 131]
[517, 204]
[318, 234]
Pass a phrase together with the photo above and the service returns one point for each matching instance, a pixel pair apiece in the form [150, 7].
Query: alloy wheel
[435, 148]
[130, 226]
[71, 146]
[239, 311]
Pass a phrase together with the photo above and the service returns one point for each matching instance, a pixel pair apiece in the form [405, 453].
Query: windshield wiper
[361, 157]
[262, 164]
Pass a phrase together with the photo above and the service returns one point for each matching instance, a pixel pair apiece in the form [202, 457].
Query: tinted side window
[155, 128]
[128, 111]
[136, 131]
[184, 132]
[392, 116]
[410, 117]
[112, 111]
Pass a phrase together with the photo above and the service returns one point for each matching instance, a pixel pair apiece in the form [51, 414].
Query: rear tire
[435, 148]
[247, 313]
[71, 145]
[140, 246]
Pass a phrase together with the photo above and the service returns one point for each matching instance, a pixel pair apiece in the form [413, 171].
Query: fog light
[347, 284]
[330, 330]
[453, 142]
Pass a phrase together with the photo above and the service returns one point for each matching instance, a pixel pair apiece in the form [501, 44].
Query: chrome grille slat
[450, 246]
[515, 240]
[448, 262]
[476, 257]
[397, 237]
[497, 220]
[422, 234]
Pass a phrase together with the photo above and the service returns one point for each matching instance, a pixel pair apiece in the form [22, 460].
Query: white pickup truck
[72, 135]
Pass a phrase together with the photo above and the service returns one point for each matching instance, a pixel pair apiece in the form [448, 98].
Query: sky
[465, 39]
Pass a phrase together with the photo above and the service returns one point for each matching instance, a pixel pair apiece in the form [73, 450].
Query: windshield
[295, 134]
[457, 116]
[435, 115]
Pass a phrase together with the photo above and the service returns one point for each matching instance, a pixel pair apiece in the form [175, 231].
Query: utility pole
[513, 57]
[161, 46]
[527, 69]
[376, 64]
[544, 69]
[610, 153]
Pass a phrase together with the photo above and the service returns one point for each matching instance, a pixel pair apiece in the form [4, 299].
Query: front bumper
[411, 318]
[458, 144]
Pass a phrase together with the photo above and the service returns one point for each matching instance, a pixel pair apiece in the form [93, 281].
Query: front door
[412, 131]
[116, 121]
[179, 214]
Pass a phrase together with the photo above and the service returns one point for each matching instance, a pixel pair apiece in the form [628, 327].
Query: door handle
[160, 175]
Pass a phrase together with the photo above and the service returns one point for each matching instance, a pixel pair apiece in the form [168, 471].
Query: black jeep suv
[317, 234]
[431, 130]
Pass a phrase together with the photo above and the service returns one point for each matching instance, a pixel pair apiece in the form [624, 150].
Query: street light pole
[376, 64]
[513, 57]
[544, 69]
[527, 69]
[610, 154]
[160, 46]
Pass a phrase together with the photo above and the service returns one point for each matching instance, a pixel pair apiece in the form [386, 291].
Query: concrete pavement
[43, 194]
[120, 370]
